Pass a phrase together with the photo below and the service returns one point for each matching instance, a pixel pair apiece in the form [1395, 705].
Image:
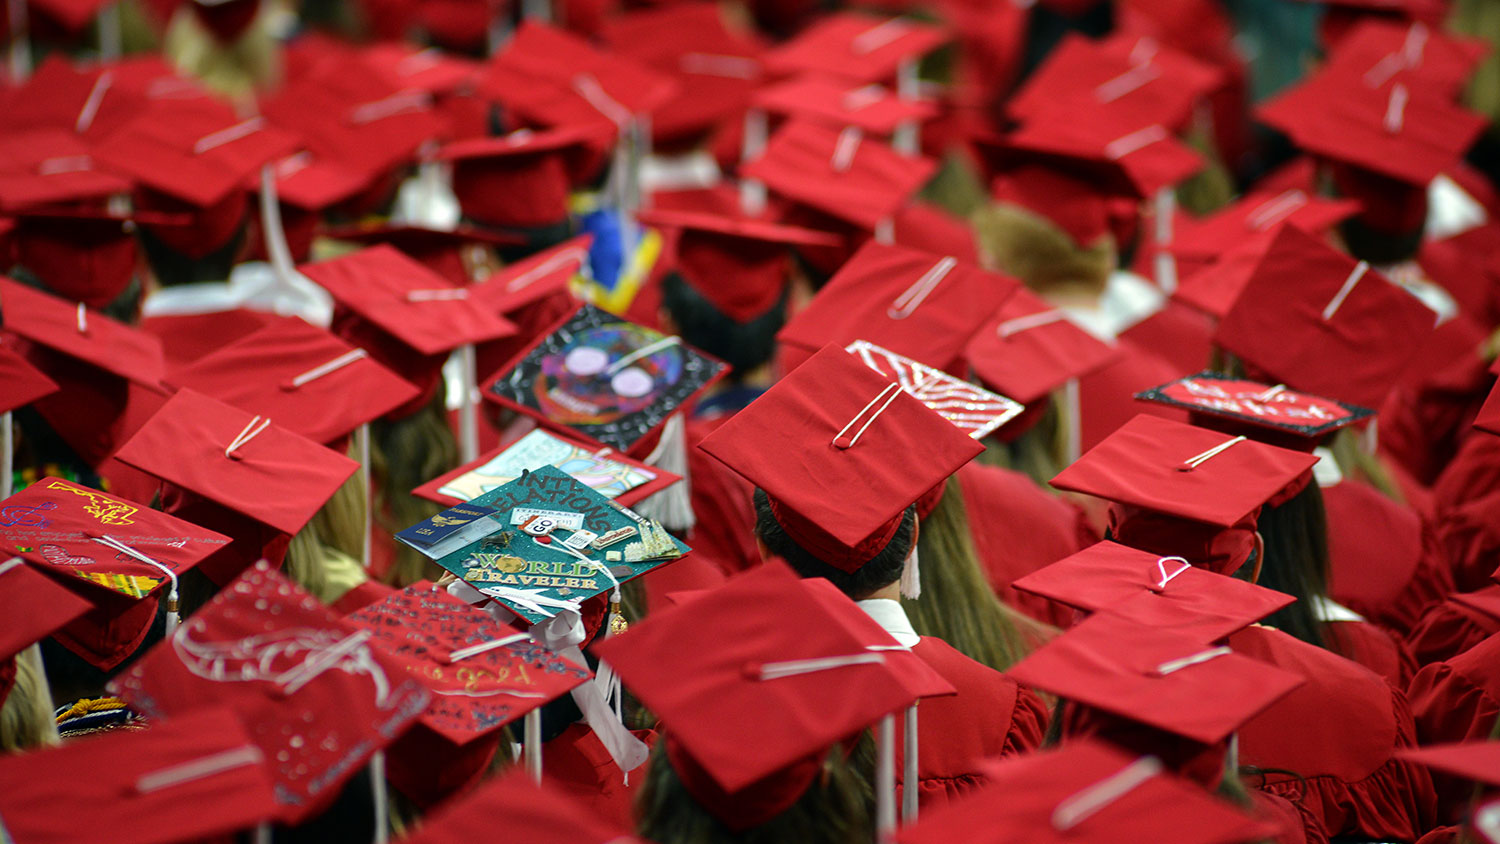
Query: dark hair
[745, 346]
[172, 268]
[881, 571]
[831, 811]
[1296, 561]
[1380, 248]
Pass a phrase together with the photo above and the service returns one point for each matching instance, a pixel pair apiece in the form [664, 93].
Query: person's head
[880, 571]
[746, 346]
[1022, 243]
[173, 267]
[1295, 534]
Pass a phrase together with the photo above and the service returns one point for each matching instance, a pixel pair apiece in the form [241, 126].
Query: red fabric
[1457, 700]
[22, 382]
[1018, 528]
[1473, 473]
[1106, 396]
[1177, 334]
[1023, 353]
[724, 505]
[991, 717]
[1385, 563]
[1458, 623]
[1470, 533]
[361, 596]
[1426, 417]
[1373, 648]
[1339, 732]
[1297, 828]
[577, 763]
[537, 815]
[838, 46]
[85, 260]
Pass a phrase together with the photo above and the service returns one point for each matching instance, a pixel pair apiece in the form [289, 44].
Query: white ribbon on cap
[888, 394]
[13, 562]
[1273, 211]
[1134, 142]
[563, 634]
[1395, 109]
[173, 618]
[1131, 80]
[90, 108]
[1086, 803]
[864, 97]
[482, 647]
[246, 434]
[1203, 457]
[729, 67]
[843, 151]
[83, 319]
[586, 85]
[1198, 658]
[796, 667]
[391, 106]
[1409, 56]
[201, 768]
[1030, 321]
[419, 61]
[545, 268]
[65, 164]
[1161, 568]
[879, 36]
[907, 303]
[308, 671]
[334, 365]
[228, 135]
[1338, 298]
[446, 294]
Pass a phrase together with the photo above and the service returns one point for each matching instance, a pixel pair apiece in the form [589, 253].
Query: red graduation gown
[1470, 533]
[1018, 528]
[577, 762]
[1339, 731]
[723, 505]
[1449, 628]
[1106, 397]
[1385, 563]
[1373, 648]
[992, 715]
[1458, 700]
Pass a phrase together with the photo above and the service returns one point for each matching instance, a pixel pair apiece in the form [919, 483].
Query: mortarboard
[1257, 216]
[1265, 412]
[768, 678]
[306, 186]
[1164, 593]
[439, 250]
[37, 605]
[872, 108]
[522, 179]
[314, 384]
[319, 697]
[81, 333]
[1067, 200]
[841, 452]
[610, 473]
[973, 410]
[1474, 760]
[86, 102]
[1382, 52]
[244, 461]
[49, 165]
[404, 66]
[1028, 348]
[1212, 289]
[1320, 322]
[605, 379]
[917, 304]
[541, 814]
[534, 278]
[856, 47]
[20, 382]
[1155, 677]
[1064, 797]
[841, 173]
[1186, 491]
[1115, 152]
[83, 255]
[509, 543]
[196, 777]
[739, 264]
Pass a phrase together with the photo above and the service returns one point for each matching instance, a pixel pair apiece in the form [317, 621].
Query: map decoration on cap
[608, 476]
[1260, 404]
[606, 378]
[974, 410]
[543, 543]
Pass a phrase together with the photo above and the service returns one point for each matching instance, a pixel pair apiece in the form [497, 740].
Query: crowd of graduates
[700, 422]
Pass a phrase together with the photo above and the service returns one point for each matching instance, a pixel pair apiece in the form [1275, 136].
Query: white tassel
[673, 506]
[911, 577]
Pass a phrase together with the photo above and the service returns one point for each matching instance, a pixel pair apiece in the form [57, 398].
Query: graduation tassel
[362, 436]
[752, 191]
[377, 792]
[468, 409]
[1166, 262]
[293, 293]
[111, 40]
[906, 139]
[1072, 422]
[911, 575]
[673, 506]
[910, 776]
[7, 456]
[532, 742]
[885, 779]
[173, 616]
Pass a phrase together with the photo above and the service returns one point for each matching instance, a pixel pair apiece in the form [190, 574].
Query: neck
[890, 592]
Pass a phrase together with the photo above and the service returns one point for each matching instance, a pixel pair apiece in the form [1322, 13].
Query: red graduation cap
[1320, 322]
[1028, 348]
[534, 278]
[196, 777]
[613, 474]
[1064, 797]
[549, 77]
[1475, 760]
[1257, 216]
[1069, 201]
[311, 182]
[739, 264]
[1214, 288]
[1270, 413]
[1156, 677]
[244, 461]
[841, 173]
[84, 255]
[541, 814]
[914, 303]
[50, 165]
[1383, 52]
[319, 696]
[1165, 593]
[767, 678]
[522, 179]
[20, 382]
[439, 250]
[1129, 155]
[841, 451]
[873, 108]
[403, 65]
[973, 410]
[1124, 74]
[310, 381]
[38, 605]
[856, 47]
[420, 309]
[86, 102]
[78, 332]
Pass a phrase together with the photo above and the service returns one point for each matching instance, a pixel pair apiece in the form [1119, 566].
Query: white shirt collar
[890, 616]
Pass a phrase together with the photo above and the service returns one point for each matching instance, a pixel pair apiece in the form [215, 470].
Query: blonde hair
[1037, 251]
[26, 720]
[404, 454]
[323, 557]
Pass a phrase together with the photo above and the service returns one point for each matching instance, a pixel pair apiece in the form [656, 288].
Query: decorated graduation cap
[738, 264]
[766, 678]
[1156, 677]
[320, 697]
[543, 543]
[605, 379]
[109, 550]
[870, 107]
[832, 426]
[1258, 216]
[1383, 52]
[1164, 593]
[614, 475]
[541, 813]
[312, 382]
[1270, 413]
[199, 776]
[1086, 793]
[1028, 348]
[914, 303]
[520, 180]
[842, 173]
[1323, 323]
[856, 47]
[973, 410]
[1185, 491]
[481, 676]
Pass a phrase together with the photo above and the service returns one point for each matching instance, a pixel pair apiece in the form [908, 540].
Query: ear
[1260, 557]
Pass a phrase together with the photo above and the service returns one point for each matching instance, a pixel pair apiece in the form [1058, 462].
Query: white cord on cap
[173, 617]
[1134, 142]
[1194, 659]
[445, 294]
[1088, 802]
[91, 105]
[843, 151]
[13, 562]
[228, 135]
[908, 302]
[334, 365]
[1395, 109]
[1338, 298]
[1199, 459]
[198, 769]
[482, 647]
[888, 394]
[1133, 79]
[1161, 568]
[878, 36]
[64, 164]
[246, 434]
[1030, 321]
[795, 667]
[1273, 211]
[729, 67]
[390, 106]
[83, 319]
[545, 268]
[588, 87]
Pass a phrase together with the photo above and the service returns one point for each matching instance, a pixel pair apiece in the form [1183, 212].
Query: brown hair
[1035, 250]
[406, 453]
[26, 720]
